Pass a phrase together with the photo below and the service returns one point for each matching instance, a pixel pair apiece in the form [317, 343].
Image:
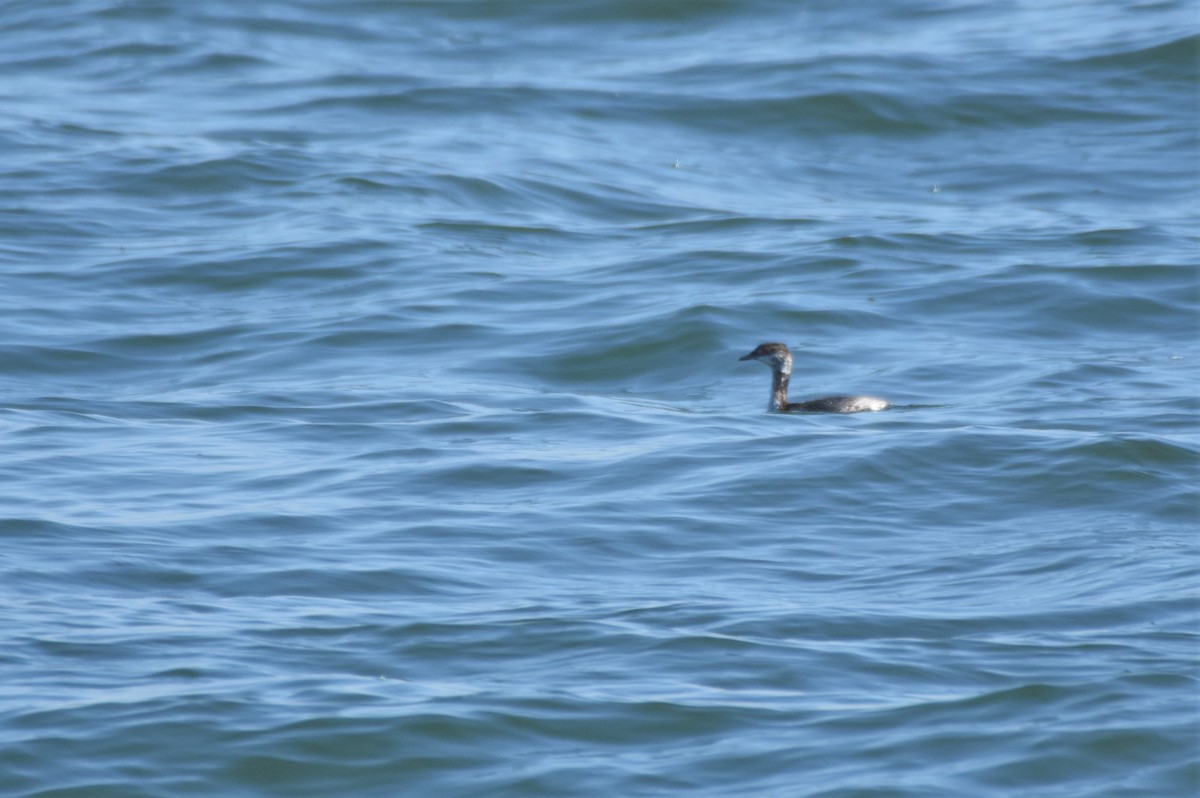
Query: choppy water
[373, 425]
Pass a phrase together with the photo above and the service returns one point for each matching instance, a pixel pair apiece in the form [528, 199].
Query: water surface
[374, 426]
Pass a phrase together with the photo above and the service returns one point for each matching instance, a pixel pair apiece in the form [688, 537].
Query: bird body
[779, 359]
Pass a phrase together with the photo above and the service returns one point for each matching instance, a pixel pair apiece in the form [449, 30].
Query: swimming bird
[779, 359]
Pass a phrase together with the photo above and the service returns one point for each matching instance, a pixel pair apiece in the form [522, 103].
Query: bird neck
[779, 385]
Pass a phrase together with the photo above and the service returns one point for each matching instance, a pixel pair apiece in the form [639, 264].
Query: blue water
[373, 423]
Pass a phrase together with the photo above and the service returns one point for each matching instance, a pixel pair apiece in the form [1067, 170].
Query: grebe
[779, 359]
